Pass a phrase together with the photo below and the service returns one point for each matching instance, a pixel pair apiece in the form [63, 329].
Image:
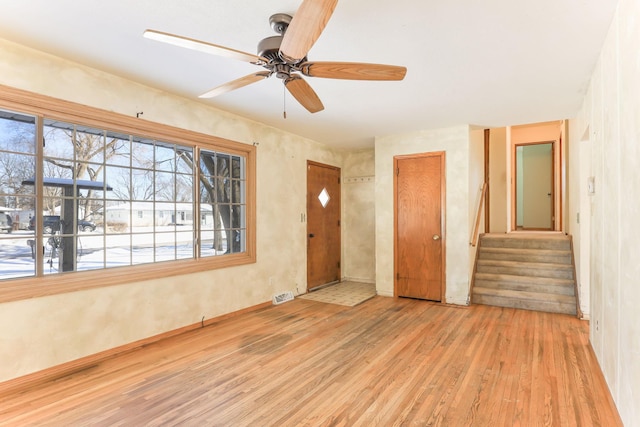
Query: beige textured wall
[611, 115]
[455, 141]
[498, 180]
[42, 332]
[358, 190]
[476, 179]
[537, 132]
[578, 218]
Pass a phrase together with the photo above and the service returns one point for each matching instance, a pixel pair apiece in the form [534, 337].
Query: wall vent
[282, 297]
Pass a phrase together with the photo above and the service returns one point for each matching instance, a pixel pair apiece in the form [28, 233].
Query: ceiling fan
[285, 55]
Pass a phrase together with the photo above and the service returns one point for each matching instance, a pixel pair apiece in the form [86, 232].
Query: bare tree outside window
[112, 199]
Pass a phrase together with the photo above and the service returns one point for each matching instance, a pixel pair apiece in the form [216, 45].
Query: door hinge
[338, 180]
[338, 223]
[338, 264]
[397, 276]
[397, 171]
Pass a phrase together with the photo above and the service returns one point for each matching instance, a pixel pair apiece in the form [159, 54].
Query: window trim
[44, 106]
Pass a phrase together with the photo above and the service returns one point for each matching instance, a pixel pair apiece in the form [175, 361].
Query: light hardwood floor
[304, 363]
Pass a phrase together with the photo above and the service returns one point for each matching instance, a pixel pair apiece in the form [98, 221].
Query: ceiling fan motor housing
[268, 48]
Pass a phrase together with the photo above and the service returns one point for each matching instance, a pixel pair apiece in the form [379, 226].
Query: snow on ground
[16, 258]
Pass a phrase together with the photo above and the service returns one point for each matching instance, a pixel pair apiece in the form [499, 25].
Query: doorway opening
[534, 177]
[534, 189]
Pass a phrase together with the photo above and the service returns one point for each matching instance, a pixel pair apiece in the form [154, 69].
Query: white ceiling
[487, 63]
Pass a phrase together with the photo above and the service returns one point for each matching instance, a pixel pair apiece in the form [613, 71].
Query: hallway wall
[498, 180]
[610, 116]
[359, 216]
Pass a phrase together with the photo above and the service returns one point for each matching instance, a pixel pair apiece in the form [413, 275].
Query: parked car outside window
[51, 223]
[6, 223]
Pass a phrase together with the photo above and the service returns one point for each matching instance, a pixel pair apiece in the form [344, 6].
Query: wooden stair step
[526, 270]
[525, 283]
[560, 271]
[524, 295]
[552, 256]
[559, 242]
[537, 301]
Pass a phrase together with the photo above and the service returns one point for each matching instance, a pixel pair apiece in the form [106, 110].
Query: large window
[17, 164]
[222, 207]
[77, 197]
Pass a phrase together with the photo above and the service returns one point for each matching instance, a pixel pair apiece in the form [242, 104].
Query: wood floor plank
[385, 362]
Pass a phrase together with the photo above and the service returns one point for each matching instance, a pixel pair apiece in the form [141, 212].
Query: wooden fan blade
[353, 71]
[204, 47]
[236, 84]
[305, 28]
[304, 94]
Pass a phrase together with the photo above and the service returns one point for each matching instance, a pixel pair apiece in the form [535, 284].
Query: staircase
[527, 271]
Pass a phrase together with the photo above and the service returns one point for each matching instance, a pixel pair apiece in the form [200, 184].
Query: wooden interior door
[419, 213]
[323, 224]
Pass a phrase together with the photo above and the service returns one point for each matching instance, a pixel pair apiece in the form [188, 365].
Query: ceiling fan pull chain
[284, 102]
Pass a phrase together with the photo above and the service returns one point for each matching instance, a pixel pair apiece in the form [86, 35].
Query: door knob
[312, 235]
[436, 237]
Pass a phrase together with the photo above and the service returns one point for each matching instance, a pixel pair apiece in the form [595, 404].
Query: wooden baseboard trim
[19, 384]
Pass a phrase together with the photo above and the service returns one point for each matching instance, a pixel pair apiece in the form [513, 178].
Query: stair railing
[476, 227]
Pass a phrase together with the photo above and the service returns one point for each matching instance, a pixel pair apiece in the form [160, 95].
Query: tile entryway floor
[344, 293]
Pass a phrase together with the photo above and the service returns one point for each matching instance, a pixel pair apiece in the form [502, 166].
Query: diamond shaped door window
[324, 197]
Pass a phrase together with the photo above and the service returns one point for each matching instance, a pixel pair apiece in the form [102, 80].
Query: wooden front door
[419, 213]
[323, 224]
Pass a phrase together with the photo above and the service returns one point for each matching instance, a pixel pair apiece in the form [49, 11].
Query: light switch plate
[591, 185]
